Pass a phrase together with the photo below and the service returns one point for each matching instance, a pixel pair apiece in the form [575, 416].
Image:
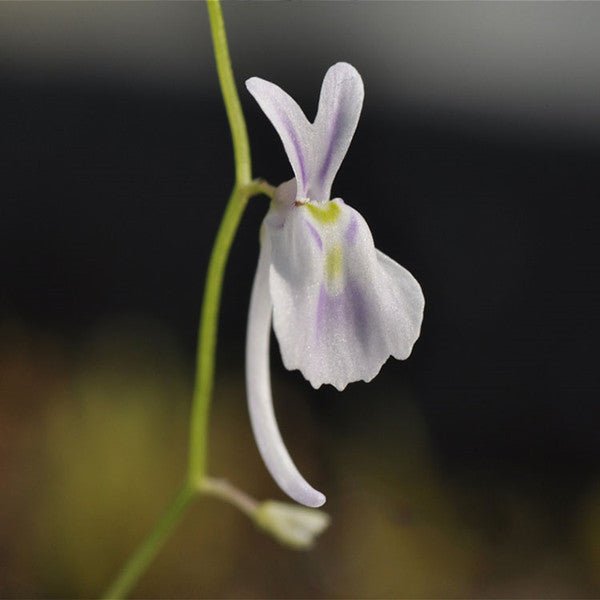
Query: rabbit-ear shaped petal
[290, 123]
[340, 105]
[315, 150]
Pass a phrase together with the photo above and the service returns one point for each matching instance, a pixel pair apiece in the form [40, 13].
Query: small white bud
[292, 525]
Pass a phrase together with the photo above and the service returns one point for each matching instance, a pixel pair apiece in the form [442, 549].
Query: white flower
[340, 307]
[292, 525]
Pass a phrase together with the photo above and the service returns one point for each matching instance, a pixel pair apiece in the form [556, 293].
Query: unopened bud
[292, 525]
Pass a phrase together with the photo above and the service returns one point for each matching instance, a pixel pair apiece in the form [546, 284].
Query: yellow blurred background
[94, 446]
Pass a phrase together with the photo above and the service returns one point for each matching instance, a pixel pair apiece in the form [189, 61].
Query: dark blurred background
[470, 470]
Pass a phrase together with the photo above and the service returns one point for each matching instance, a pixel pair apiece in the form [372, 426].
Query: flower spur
[339, 307]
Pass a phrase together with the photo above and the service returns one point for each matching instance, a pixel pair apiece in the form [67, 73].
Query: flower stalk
[149, 548]
[207, 334]
[235, 115]
[244, 188]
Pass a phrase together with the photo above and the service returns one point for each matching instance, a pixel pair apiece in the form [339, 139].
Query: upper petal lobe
[315, 150]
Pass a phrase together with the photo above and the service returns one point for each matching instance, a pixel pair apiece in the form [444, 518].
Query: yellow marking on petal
[333, 263]
[325, 213]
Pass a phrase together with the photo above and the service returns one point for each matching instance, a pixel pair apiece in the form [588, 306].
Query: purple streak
[291, 131]
[351, 231]
[346, 310]
[327, 159]
[315, 234]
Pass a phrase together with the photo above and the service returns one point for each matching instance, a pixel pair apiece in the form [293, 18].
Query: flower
[339, 307]
[291, 524]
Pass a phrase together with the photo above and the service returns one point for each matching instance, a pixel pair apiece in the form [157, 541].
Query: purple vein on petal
[351, 231]
[291, 131]
[315, 234]
[322, 310]
[333, 140]
[348, 309]
[358, 309]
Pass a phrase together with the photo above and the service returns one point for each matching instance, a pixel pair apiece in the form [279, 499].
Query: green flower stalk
[304, 526]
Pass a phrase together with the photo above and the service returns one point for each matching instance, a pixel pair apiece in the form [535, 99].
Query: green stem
[237, 124]
[243, 190]
[148, 549]
[207, 335]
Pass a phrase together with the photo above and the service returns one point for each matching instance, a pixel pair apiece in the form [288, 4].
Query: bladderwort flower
[340, 307]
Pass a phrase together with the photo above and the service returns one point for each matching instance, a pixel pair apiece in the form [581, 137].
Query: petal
[340, 104]
[258, 384]
[315, 150]
[340, 308]
[292, 126]
[403, 299]
[283, 202]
